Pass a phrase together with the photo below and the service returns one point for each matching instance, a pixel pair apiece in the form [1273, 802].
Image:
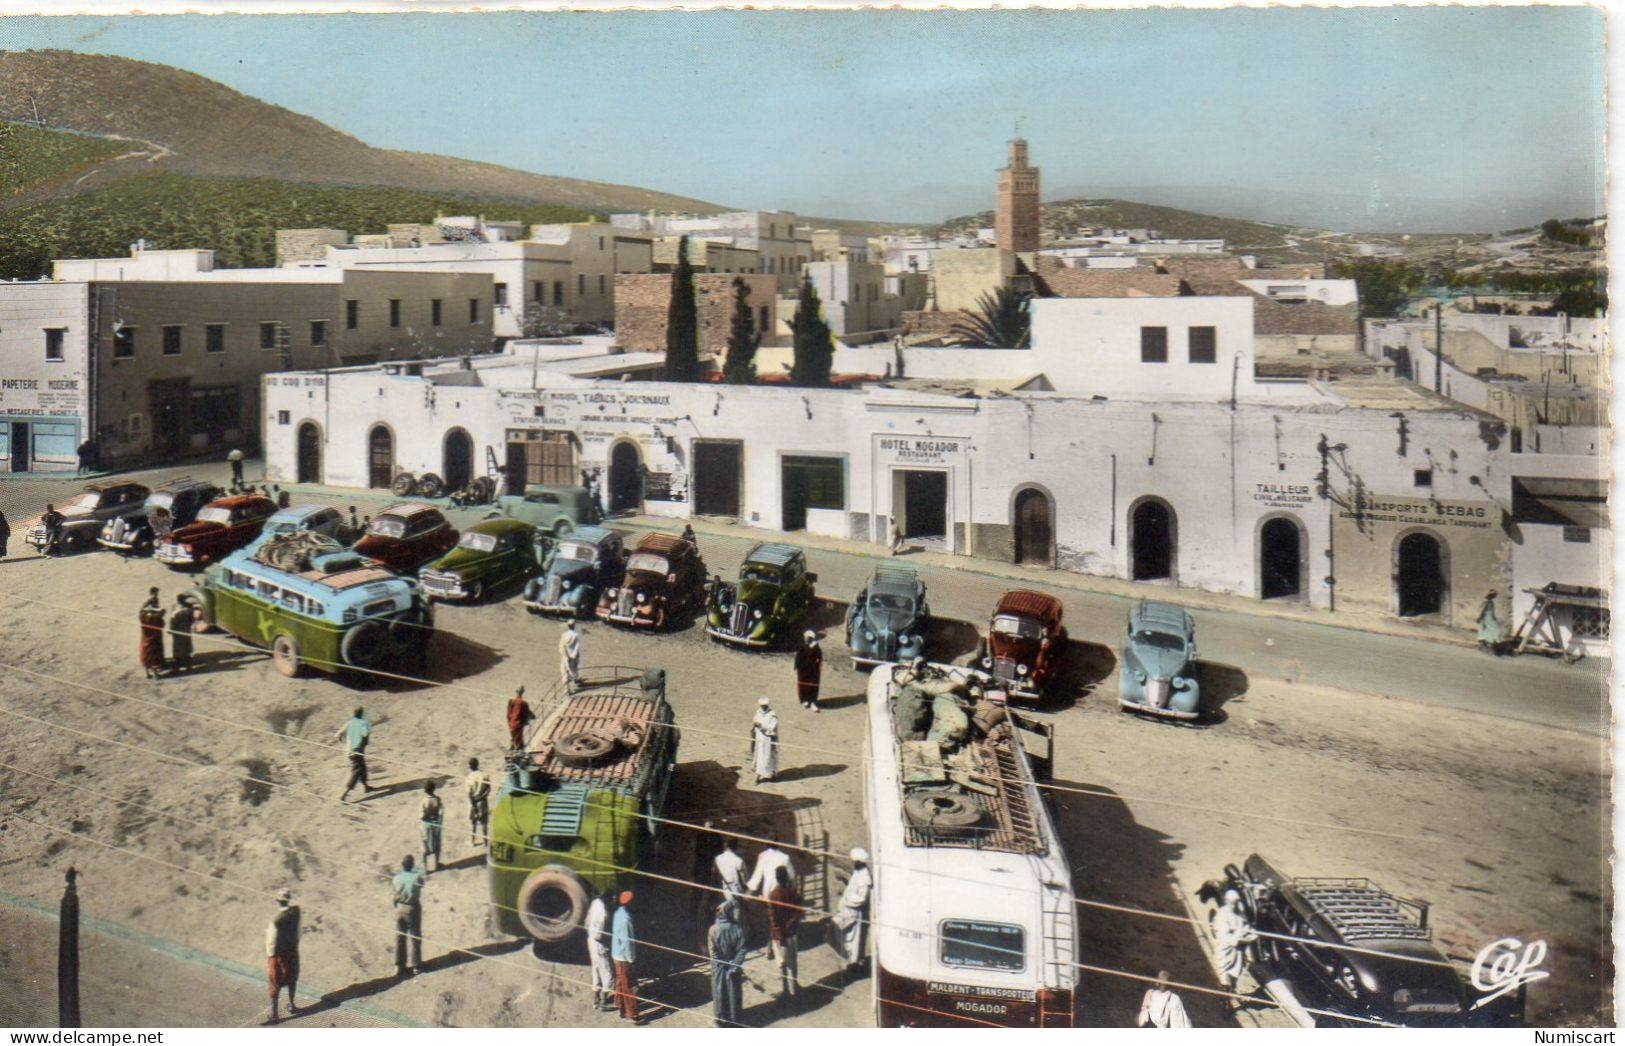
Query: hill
[1062, 218]
[178, 122]
[30, 158]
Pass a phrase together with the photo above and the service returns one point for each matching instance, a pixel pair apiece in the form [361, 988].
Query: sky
[1372, 117]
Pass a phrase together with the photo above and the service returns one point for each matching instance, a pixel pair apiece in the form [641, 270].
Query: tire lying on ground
[552, 902]
[365, 644]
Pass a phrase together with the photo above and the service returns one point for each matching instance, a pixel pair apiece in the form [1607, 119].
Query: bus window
[315, 609]
[268, 591]
[294, 601]
[983, 946]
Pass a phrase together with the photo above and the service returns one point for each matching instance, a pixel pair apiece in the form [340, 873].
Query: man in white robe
[1232, 932]
[603, 972]
[851, 917]
[570, 656]
[764, 742]
[1161, 1008]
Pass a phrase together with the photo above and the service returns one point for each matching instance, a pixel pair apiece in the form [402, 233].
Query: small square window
[1153, 344]
[318, 332]
[54, 337]
[1424, 478]
[214, 337]
[124, 343]
[172, 340]
[352, 314]
[283, 417]
[268, 335]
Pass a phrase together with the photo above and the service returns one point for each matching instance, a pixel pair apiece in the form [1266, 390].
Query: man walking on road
[519, 717]
[180, 634]
[851, 914]
[809, 666]
[764, 742]
[763, 878]
[408, 887]
[52, 522]
[603, 970]
[1233, 932]
[570, 657]
[282, 953]
[355, 735]
[1161, 1007]
[784, 911]
[432, 815]
[623, 951]
[479, 804]
[5, 534]
[725, 946]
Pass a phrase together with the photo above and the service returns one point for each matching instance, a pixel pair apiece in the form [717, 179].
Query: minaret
[1015, 222]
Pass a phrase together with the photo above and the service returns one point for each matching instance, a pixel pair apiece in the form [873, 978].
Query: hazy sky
[904, 115]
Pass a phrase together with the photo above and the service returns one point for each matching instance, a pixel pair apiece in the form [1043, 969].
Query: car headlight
[613, 592]
[1021, 670]
[757, 614]
[870, 636]
[640, 597]
[987, 662]
[1139, 675]
[905, 639]
[567, 584]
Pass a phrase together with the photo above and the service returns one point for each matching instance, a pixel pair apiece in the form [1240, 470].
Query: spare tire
[364, 645]
[584, 747]
[552, 902]
[936, 809]
[430, 485]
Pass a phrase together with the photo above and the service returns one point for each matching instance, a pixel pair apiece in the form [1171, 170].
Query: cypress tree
[739, 366]
[682, 322]
[814, 346]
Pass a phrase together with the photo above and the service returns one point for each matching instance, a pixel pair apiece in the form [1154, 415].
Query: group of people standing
[178, 623]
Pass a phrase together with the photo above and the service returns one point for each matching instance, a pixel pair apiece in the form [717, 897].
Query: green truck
[578, 808]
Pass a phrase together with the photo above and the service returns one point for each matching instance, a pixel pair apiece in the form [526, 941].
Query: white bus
[972, 915]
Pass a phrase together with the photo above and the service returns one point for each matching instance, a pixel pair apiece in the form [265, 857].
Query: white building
[781, 245]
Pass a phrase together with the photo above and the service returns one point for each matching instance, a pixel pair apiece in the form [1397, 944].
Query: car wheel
[75, 542]
[404, 485]
[430, 485]
[476, 592]
[285, 655]
[562, 528]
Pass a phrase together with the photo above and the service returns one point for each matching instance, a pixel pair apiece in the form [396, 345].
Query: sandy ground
[1501, 825]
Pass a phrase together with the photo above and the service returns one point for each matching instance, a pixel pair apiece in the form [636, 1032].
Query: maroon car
[406, 536]
[1024, 642]
[221, 527]
[664, 576]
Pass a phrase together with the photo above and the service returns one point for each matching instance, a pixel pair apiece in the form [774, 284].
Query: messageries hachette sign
[1472, 515]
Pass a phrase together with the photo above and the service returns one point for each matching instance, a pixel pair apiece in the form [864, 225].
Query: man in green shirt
[408, 888]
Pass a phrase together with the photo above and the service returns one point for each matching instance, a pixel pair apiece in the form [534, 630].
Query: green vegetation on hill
[237, 218]
[30, 156]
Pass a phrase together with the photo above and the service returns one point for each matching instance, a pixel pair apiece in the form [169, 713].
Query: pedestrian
[355, 734]
[851, 914]
[432, 815]
[896, 537]
[688, 536]
[624, 953]
[355, 527]
[765, 875]
[519, 717]
[282, 498]
[51, 520]
[152, 636]
[1161, 1007]
[1233, 933]
[809, 666]
[282, 953]
[784, 910]
[236, 459]
[1489, 626]
[764, 742]
[597, 927]
[570, 656]
[180, 634]
[730, 870]
[85, 450]
[725, 946]
[5, 534]
[479, 804]
[408, 887]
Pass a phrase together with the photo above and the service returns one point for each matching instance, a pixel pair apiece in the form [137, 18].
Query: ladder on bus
[1060, 933]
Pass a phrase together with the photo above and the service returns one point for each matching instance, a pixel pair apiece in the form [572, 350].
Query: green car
[557, 510]
[774, 592]
[489, 555]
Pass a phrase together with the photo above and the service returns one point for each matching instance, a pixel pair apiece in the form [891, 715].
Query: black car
[1374, 960]
[175, 504]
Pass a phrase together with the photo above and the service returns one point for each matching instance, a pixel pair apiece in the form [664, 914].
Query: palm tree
[1002, 320]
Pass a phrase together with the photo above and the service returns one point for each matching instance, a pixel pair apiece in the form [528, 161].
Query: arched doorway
[625, 481]
[309, 467]
[457, 460]
[1152, 540]
[1421, 583]
[1034, 529]
[380, 457]
[1281, 563]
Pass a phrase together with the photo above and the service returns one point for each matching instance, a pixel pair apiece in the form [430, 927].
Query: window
[215, 411]
[284, 417]
[823, 479]
[1577, 535]
[318, 332]
[123, 343]
[434, 311]
[1423, 478]
[558, 292]
[214, 337]
[581, 283]
[536, 290]
[600, 243]
[268, 334]
[53, 342]
[1204, 344]
[172, 339]
[1153, 344]
[985, 946]
[352, 314]
[473, 310]
[500, 295]
[761, 322]
[600, 283]
[394, 312]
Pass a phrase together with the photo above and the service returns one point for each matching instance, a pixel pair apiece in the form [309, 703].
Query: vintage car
[773, 594]
[316, 604]
[584, 564]
[1025, 641]
[1348, 947]
[84, 517]
[664, 577]
[406, 536]
[175, 504]
[490, 554]
[221, 527]
[554, 509]
[1158, 671]
[302, 519]
[888, 619]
